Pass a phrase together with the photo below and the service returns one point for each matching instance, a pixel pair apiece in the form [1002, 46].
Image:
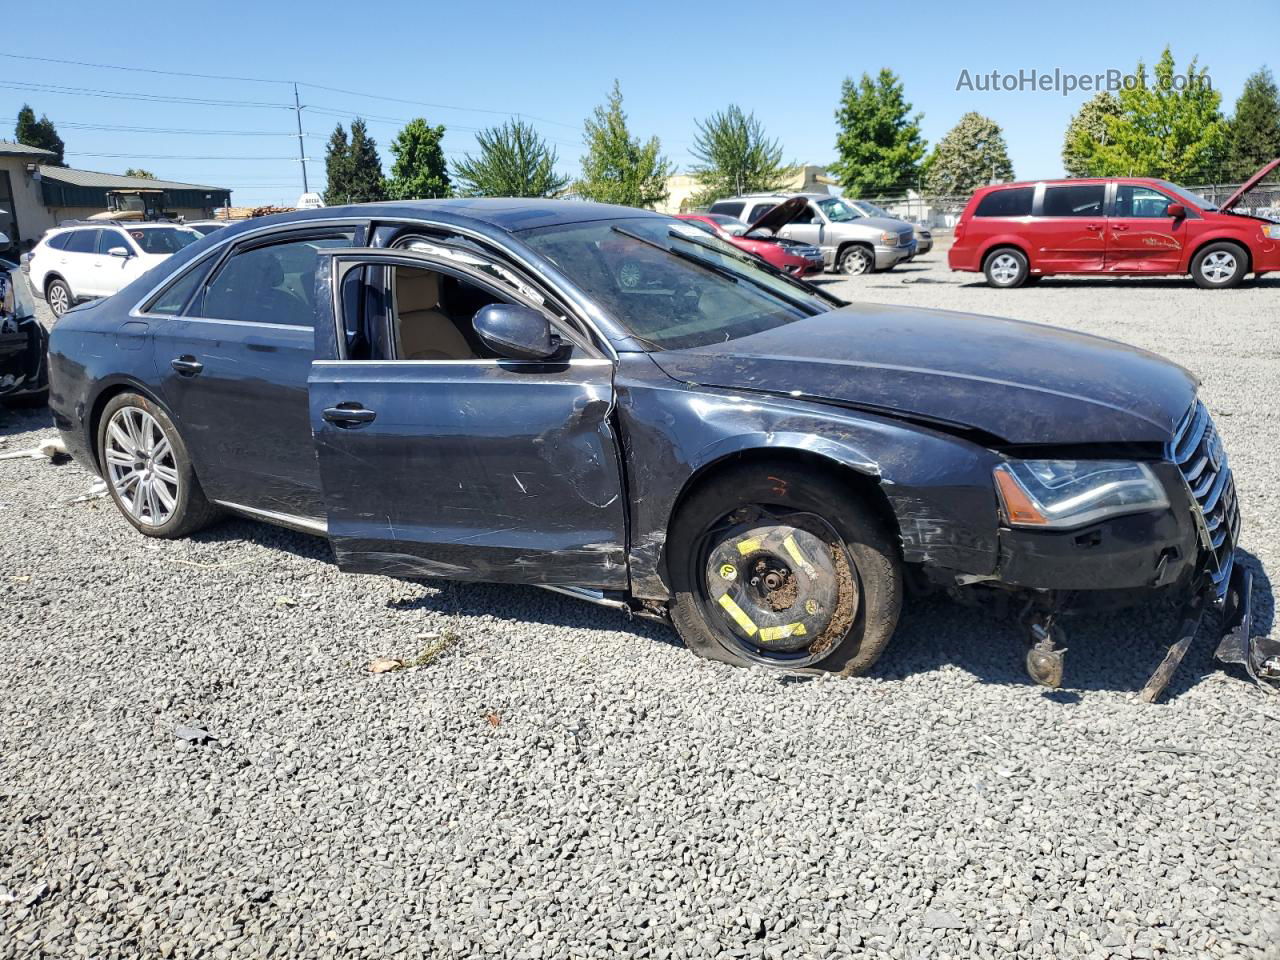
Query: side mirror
[119, 252]
[1175, 210]
[515, 332]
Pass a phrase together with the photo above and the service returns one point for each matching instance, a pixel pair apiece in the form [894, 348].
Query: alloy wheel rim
[855, 263]
[1218, 266]
[142, 467]
[58, 300]
[1004, 269]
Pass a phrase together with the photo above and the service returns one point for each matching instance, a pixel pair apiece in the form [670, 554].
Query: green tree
[971, 155]
[419, 171]
[140, 173]
[367, 181]
[39, 133]
[514, 161]
[878, 140]
[1254, 131]
[617, 167]
[735, 156]
[337, 168]
[1086, 131]
[1168, 126]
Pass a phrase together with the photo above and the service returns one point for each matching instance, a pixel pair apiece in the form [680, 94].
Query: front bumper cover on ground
[1260, 656]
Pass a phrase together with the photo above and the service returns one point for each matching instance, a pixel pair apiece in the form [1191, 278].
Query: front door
[1141, 236]
[1069, 232]
[807, 227]
[438, 457]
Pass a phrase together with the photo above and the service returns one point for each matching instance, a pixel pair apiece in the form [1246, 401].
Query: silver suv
[851, 242]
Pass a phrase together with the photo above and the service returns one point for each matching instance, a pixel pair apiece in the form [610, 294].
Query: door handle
[1092, 226]
[349, 416]
[186, 365]
[1119, 227]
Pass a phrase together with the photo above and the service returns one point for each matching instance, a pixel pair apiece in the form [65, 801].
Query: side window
[1133, 201]
[82, 241]
[270, 284]
[432, 313]
[1084, 200]
[178, 293]
[730, 208]
[111, 238]
[759, 210]
[809, 214]
[1014, 202]
[58, 241]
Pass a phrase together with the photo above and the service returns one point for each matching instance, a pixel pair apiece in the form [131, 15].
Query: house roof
[113, 181]
[10, 149]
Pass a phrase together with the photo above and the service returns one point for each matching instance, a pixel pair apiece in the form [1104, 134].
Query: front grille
[1198, 451]
[812, 253]
[906, 236]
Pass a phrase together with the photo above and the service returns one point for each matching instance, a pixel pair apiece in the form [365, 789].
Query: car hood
[1022, 383]
[1249, 184]
[778, 216]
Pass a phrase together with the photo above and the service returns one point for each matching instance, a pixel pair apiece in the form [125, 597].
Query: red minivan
[1016, 233]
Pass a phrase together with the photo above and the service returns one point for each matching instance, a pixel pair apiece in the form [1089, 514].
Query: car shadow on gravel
[1115, 651]
[18, 419]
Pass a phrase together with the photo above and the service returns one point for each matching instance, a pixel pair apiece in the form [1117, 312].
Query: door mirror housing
[515, 332]
[1176, 210]
[122, 252]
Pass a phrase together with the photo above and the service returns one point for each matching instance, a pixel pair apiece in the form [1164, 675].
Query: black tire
[59, 297]
[1005, 268]
[1219, 266]
[856, 260]
[191, 509]
[850, 600]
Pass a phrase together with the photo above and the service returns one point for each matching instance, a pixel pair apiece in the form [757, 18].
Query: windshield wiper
[680, 254]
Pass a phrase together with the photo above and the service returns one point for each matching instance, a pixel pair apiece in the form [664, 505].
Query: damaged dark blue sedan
[613, 404]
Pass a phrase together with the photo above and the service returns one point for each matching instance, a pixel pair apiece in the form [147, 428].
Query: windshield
[1187, 196]
[730, 225]
[163, 239]
[838, 211]
[671, 284]
[870, 209]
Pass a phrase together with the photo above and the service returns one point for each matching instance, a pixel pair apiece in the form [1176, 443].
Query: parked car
[1016, 233]
[95, 259]
[599, 400]
[924, 237]
[790, 256]
[24, 374]
[851, 242]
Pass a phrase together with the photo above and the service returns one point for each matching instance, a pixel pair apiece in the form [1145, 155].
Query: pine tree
[1087, 130]
[367, 182]
[514, 161]
[39, 133]
[1254, 130]
[735, 156]
[879, 143]
[971, 155]
[337, 166]
[617, 168]
[418, 171]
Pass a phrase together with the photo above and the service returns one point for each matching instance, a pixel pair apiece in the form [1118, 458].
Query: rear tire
[1006, 268]
[791, 548]
[1219, 266]
[58, 296]
[148, 470]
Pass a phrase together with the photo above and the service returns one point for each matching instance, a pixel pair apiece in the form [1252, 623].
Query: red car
[797, 259]
[1019, 232]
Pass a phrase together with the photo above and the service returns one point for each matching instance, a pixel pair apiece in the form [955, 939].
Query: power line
[144, 97]
[115, 66]
[171, 156]
[114, 128]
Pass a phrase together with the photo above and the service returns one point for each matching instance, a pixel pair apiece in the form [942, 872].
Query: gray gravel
[558, 782]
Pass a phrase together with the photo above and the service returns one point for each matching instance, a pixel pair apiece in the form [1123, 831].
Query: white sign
[309, 201]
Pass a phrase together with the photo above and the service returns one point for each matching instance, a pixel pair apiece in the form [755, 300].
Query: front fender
[937, 485]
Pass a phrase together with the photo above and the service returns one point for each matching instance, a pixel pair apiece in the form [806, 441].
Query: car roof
[779, 196]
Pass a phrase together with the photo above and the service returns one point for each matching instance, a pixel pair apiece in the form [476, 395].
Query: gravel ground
[559, 782]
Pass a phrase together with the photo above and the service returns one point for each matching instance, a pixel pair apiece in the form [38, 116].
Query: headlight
[1070, 493]
[889, 239]
[1271, 231]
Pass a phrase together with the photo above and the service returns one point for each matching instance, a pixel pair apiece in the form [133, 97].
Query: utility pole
[302, 154]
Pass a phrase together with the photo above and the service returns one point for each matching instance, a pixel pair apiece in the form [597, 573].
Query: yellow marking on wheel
[749, 545]
[794, 549]
[728, 571]
[769, 634]
[739, 615]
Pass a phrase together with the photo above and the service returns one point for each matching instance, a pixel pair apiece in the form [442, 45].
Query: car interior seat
[424, 330]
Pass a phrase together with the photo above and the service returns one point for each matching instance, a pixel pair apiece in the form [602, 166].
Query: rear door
[78, 263]
[1141, 236]
[1069, 229]
[440, 459]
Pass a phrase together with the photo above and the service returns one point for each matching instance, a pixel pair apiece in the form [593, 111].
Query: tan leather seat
[425, 331]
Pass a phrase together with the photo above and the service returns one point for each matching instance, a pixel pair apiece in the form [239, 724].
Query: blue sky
[675, 61]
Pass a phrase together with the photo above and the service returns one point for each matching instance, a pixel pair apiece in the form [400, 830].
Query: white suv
[89, 260]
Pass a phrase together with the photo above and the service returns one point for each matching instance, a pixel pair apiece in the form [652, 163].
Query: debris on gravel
[568, 783]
